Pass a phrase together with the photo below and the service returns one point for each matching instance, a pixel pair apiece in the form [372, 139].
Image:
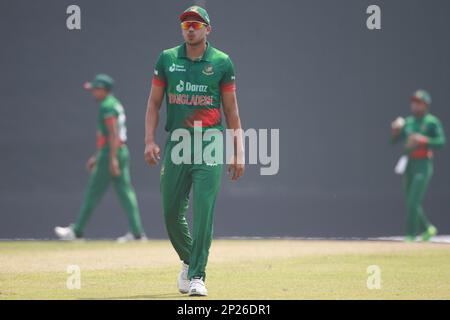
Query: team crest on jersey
[208, 70]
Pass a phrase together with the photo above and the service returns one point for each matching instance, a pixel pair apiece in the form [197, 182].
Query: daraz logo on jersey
[191, 100]
[180, 86]
[190, 87]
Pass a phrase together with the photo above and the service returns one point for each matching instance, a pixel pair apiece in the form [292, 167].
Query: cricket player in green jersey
[422, 133]
[196, 80]
[110, 164]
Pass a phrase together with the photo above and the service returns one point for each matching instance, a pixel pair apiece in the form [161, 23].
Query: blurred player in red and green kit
[422, 133]
[109, 165]
[196, 80]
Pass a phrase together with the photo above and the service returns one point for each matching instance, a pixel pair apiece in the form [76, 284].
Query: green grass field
[238, 269]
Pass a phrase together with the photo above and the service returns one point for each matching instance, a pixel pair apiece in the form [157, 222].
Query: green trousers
[176, 183]
[98, 184]
[416, 179]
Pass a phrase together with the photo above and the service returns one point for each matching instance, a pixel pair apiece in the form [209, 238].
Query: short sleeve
[108, 111]
[228, 81]
[159, 77]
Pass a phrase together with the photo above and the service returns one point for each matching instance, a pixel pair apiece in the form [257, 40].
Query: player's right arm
[90, 164]
[397, 131]
[155, 99]
[92, 161]
[152, 150]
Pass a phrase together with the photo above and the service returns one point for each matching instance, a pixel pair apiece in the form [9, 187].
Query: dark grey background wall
[310, 68]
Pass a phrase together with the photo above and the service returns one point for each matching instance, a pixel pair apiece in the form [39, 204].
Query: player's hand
[414, 140]
[236, 169]
[397, 126]
[152, 154]
[114, 167]
[90, 165]
[398, 123]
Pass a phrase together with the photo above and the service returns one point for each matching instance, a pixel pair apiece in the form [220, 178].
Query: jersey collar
[206, 56]
[108, 97]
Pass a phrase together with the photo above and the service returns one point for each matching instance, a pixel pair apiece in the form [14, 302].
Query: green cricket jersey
[193, 88]
[111, 107]
[430, 127]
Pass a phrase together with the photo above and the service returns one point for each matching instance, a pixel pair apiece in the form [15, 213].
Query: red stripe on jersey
[208, 117]
[421, 153]
[101, 140]
[158, 82]
[229, 87]
[110, 120]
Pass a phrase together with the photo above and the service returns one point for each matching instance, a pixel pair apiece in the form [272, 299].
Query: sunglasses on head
[196, 25]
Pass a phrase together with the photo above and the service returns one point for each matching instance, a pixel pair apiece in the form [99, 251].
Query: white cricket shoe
[129, 237]
[197, 288]
[65, 233]
[183, 281]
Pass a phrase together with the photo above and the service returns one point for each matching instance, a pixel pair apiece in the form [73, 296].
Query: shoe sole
[427, 239]
[197, 295]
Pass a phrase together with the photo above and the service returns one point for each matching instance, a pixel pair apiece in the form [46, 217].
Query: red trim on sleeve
[158, 82]
[110, 120]
[229, 87]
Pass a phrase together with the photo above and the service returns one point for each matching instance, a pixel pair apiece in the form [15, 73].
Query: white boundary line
[437, 239]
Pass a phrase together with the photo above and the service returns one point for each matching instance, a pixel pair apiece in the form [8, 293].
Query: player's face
[99, 93]
[194, 36]
[418, 108]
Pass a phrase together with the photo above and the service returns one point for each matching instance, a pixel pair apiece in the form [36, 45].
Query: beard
[195, 42]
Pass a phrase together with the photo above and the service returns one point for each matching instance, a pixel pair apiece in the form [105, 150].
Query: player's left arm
[435, 139]
[114, 142]
[233, 120]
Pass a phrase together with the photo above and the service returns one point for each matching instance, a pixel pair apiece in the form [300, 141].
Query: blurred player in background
[109, 164]
[422, 133]
[196, 80]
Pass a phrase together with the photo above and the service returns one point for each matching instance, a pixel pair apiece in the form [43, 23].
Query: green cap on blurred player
[196, 11]
[101, 81]
[422, 95]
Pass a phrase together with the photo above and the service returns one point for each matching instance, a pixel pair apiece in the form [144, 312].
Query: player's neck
[420, 115]
[195, 52]
[104, 98]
